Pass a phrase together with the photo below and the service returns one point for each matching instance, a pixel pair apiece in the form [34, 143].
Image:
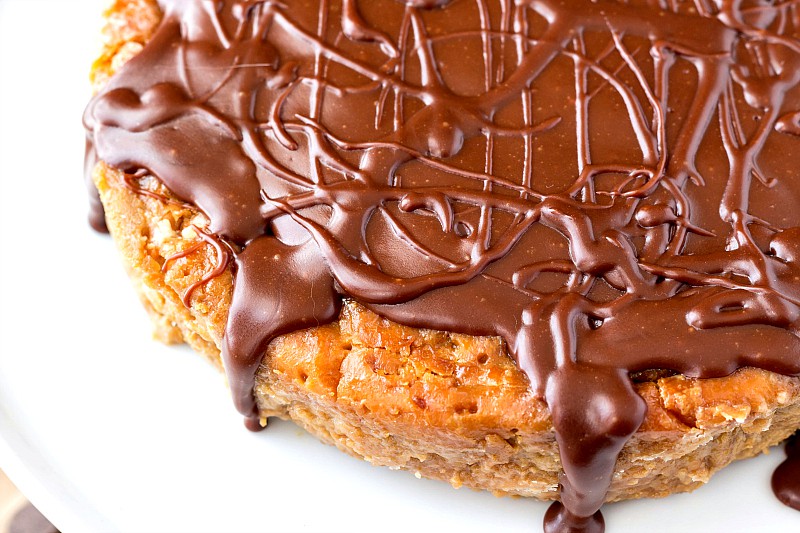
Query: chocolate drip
[610, 186]
[786, 479]
[97, 215]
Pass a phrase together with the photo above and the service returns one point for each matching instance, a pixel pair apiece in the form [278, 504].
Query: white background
[95, 426]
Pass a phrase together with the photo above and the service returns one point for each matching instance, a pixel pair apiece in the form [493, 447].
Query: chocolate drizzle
[611, 187]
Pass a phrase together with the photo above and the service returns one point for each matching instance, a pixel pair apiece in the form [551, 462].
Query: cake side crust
[442, 405]
[445, 406]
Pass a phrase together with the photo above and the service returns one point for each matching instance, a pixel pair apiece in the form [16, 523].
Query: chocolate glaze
[786, 478]
[609, 186]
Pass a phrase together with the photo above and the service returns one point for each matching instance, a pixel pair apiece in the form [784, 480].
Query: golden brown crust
[446, 406]
[442, 405]
[128, 26]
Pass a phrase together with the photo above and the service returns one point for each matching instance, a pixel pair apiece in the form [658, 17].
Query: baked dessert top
[608, 186]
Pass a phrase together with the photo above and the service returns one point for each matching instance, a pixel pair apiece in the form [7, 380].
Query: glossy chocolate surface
[609, 186]
[786, 478]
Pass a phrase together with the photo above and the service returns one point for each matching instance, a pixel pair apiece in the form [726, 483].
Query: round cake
[541, 248]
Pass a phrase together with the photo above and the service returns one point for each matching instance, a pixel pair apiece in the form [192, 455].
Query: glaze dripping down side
[608, 186]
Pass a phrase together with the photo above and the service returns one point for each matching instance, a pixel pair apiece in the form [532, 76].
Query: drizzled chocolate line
[433, 159]
[222, 261]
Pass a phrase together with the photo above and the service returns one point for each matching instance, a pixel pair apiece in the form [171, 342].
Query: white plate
[93, 423]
